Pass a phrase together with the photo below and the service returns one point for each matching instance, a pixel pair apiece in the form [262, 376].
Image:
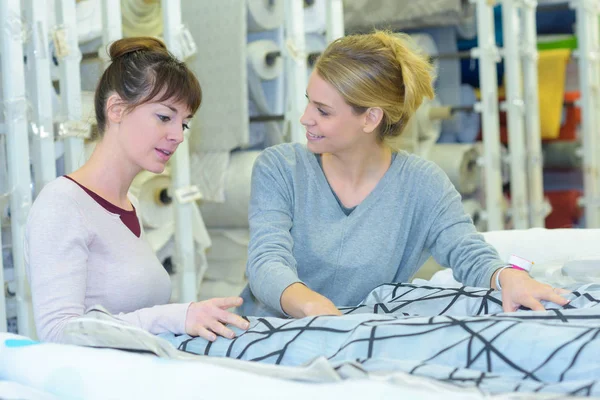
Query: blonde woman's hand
[519, 289]
[299, 301]
[208, 318]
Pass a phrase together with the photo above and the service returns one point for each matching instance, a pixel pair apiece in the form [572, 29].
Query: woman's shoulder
[416, 165]
[419, 171]
[285, 155]
[59, 193]
[286, 151]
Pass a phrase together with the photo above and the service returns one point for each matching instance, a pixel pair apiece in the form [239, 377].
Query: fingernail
[212, 338]
[247, 325]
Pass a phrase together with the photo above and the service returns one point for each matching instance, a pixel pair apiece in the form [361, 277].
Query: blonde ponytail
[381, 69]
[417, 71]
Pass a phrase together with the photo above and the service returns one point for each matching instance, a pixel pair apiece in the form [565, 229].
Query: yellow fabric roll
[552, 68]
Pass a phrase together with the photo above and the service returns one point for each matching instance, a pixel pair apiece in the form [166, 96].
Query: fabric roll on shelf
[262, 61]
[429, 125]
[465, 125]
[138, 18]
[552, 68]
[228, 255]
[426, 45]
[152, 191]
[571, 122]
[233, 212]
[264, 15]
[422, 130]
[88, 16]
[559, 179]
[460, 163]
[314, 17]
[265, 87]
[220, 64]
[448, 82]
[162, 239]
[562, 154]
[208, 170]
[364, 15]
[315, 45]
[141, 18]
[566, 210]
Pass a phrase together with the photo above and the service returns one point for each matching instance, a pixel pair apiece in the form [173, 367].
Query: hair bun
[126, 46]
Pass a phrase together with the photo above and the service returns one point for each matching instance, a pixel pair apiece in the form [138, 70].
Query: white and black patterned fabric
[456, 335]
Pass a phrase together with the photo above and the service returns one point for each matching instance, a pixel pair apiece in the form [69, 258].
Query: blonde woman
[333, 219]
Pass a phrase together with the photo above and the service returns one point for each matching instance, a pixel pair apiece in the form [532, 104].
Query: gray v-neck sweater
[299, 233]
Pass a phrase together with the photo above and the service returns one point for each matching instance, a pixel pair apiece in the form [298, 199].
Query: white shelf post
[537, 207]
[69, 58]
[587, 52]
[335, 20]
[295, 56]
[515, 113]
[184, 258]
[488, 55]
[39, 89]
[17, 146]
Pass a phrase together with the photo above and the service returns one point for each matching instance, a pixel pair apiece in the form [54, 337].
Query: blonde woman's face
[331, 126]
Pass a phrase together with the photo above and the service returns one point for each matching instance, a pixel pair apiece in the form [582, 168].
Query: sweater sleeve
[159, 319]
[271, 266]
[56, 252]
[453, 239]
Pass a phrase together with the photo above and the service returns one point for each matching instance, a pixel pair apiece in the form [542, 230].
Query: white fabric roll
[315, 43]
[233, 213]
[141, 18]
[459, 161]
[314, 17]
[264, 15]
[428, 129]
[208, 171]
[257, 59]
[265, 87]
[221, 65]
[147, 188]
[88, 14]
[426, 45]
[228, 255]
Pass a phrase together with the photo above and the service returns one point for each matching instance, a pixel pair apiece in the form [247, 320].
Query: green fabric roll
[561, 154]
[551, 42]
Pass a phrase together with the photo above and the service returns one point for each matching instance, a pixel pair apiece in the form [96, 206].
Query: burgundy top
[129, 218]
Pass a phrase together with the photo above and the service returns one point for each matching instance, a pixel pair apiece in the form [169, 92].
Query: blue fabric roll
[464, 125]
[549, 21]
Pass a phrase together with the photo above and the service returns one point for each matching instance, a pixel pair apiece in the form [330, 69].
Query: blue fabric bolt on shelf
[465, 125]
[549, 21]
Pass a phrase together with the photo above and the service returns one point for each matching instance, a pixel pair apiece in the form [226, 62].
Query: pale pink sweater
[78, 254]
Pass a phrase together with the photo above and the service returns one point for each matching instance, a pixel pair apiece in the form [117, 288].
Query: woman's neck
[358, 167]
[107, 174]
